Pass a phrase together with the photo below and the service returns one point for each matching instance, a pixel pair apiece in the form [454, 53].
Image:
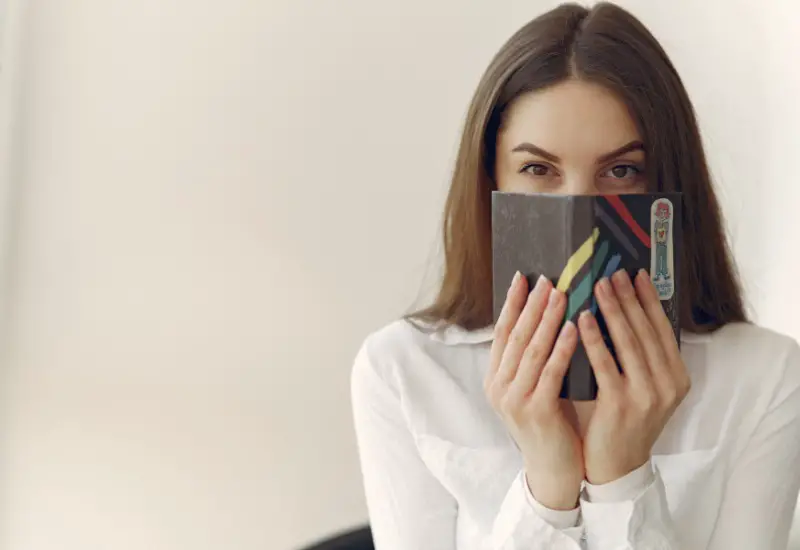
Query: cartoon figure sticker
[662, 262]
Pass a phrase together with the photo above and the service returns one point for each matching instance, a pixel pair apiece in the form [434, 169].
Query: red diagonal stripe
[617, 204]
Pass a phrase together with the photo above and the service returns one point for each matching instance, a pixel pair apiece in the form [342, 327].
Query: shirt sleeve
[625, 488]
[761, 492]
[408, 507]
[630, 513]
[560, 519]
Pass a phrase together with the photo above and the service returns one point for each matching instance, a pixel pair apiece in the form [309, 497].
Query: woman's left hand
[632, 407]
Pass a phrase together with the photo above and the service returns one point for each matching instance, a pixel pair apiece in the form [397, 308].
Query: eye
[623, 171]
[536, 169]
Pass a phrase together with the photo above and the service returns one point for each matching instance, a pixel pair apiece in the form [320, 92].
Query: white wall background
[211, 204]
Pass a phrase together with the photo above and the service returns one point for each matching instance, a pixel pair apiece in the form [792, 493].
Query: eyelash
[636, 170]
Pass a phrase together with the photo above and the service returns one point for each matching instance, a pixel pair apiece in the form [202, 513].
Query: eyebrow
[526, 147]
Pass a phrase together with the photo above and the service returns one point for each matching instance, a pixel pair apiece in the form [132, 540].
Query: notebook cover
[576, 240]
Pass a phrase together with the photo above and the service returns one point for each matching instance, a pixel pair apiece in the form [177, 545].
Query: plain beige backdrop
[207, 205]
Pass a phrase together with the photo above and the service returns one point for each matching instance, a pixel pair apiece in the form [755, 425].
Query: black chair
[355, 539]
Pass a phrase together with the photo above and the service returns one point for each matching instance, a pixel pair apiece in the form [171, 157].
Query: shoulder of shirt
[398, 337]
[750, 371]
[746, 339]
[387, 346]
[751, 355]
[394, 339]
[750, 351]
[401, 343]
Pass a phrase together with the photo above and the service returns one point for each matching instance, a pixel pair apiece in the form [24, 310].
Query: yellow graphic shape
[576, 261]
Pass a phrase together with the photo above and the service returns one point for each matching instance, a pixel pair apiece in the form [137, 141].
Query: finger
[515, 300]
[605, 369]
[538, 349]
[552, 375]
[649, 342]
[665, 333]
[651, 303]
[523, 330]
[625, 342]
[545, 334]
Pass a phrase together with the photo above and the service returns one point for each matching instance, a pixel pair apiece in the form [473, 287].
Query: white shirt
[441, 472]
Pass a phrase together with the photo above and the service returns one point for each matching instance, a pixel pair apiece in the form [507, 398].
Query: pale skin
[578, 138]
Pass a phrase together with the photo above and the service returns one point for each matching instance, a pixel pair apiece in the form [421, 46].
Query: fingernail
[540, 281]
[514, 282]
[568, 328]
[603, 286]
[620, 276]
[587, 318]
[553, 297]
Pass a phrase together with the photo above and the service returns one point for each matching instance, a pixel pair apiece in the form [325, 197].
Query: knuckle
[533, 355]
[550, 375]
[625, 294]
[509, 406]
[517, 335]
[502, 328]
[646, 403]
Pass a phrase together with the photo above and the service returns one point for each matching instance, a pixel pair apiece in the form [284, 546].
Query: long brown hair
[609, 46]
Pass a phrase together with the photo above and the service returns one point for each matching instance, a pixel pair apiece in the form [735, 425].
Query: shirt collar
[453, 335]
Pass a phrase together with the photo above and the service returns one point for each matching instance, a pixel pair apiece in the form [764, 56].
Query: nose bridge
[580, 182]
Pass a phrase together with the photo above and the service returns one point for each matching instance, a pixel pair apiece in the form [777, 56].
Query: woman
[463, 440]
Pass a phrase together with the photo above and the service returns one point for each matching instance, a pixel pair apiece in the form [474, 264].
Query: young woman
[463, 439]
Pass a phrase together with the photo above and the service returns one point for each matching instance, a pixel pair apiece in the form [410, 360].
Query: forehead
[571, 119]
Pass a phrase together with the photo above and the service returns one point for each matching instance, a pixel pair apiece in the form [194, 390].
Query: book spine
[569, 246]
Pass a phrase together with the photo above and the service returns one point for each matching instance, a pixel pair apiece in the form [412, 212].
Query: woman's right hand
[529, 359]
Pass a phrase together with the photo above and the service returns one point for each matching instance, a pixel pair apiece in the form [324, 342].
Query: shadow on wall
[356, 539]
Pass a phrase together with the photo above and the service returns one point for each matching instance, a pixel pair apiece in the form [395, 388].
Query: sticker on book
[662, 260]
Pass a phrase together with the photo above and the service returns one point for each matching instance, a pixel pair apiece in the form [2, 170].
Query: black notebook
[576, 240]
